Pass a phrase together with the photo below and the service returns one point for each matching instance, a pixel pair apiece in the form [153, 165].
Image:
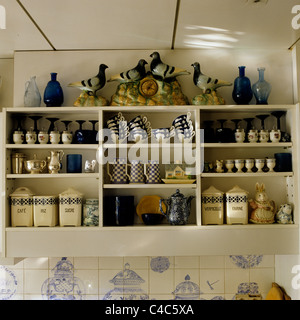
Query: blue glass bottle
[261, 89]
[242, 92]
[53, 94]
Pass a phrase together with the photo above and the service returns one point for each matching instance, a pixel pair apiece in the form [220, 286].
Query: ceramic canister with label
[212, 206]
[22, 207]
[236, 206]
[45, 211]
[70, 208]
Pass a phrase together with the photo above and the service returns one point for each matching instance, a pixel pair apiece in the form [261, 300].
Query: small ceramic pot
[54, 137]
[264, 135]
[31, 137]
[252, 136]
[18, 137]
[275, 135]
[67, 137]
[239, 135]
[43, 137]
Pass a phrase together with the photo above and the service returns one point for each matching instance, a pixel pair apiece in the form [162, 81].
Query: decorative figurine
[135, 74]
[90, 88]
[263, 209]
[209, 86]
[162, 70]
[284, 214]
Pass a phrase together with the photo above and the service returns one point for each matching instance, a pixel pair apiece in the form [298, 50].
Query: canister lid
[237, 189]
[71, 192]
[22, 192]
[18, 155]
[212, 191]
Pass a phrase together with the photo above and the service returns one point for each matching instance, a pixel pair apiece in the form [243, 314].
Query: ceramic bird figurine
[93, 84]
[134, 74]
[206, 83]
[158, 68]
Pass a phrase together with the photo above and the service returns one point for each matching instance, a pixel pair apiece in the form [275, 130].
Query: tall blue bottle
[242, 92]
[53, 94]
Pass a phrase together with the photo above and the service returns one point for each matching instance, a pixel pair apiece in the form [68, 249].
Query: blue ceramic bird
[134, 74]
[93, 84]
[206, 83]
[158, 68]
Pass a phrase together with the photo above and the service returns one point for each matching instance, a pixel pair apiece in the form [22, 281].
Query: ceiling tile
[20, 32]
[235, 24]
[115, 24]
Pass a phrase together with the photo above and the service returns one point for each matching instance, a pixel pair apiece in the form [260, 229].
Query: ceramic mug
[74, 163]
[119, 173]
[116, 118]
[152, 172]
[136, 172]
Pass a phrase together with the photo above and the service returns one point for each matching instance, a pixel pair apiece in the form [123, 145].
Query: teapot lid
[177, 194]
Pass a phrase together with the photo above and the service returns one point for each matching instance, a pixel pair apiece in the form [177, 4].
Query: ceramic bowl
[152, 218]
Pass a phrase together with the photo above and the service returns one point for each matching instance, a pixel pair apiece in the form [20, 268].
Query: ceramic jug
[152, 172]
[32, 97]
[119, 173]
[178, 208]
[55, 161]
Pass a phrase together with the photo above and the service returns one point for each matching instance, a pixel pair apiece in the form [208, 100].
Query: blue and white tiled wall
[166, 278]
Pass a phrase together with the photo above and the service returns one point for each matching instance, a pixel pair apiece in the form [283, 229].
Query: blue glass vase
[53, 95]
[261, 89]
[242, 93]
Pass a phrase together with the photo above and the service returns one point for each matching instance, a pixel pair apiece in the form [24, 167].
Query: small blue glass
[74, 163]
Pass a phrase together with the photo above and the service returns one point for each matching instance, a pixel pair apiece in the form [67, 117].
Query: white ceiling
[141, 24]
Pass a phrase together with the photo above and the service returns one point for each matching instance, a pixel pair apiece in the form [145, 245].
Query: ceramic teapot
[178, 208]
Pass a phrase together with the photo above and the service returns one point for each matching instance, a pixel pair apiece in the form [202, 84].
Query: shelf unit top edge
[95, 109]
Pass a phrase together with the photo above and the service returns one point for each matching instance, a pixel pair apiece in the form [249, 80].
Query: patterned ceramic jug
[136, 172]
[152, 172]
[178, 208]
[119, 172]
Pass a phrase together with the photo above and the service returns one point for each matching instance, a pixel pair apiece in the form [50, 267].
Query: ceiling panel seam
[175, 24]
[35, 23]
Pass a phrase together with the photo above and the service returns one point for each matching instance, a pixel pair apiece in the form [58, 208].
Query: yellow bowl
[149, 204]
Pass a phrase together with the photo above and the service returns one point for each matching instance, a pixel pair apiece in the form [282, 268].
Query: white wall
[223, 64]
[6, 90]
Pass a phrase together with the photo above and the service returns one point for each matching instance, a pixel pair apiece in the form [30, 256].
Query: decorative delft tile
[159, 264]
[8, 283]
[63, 285]
[246, 262]
[187, 290]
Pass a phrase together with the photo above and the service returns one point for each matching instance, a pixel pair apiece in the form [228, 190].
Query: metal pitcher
[55, 161]
[178, 208]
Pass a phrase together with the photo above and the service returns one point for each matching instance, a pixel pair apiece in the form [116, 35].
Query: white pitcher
[55, 161]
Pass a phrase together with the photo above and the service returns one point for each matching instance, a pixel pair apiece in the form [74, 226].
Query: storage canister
[17, 162]
[91, 212]
[236, 206]
[22, 207]
[70, 208]
[45, 211]
[212, 206]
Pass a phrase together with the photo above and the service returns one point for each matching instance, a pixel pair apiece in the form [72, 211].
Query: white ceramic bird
[93, 84]
[158, 68]
[206, 83]
[134, 74]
